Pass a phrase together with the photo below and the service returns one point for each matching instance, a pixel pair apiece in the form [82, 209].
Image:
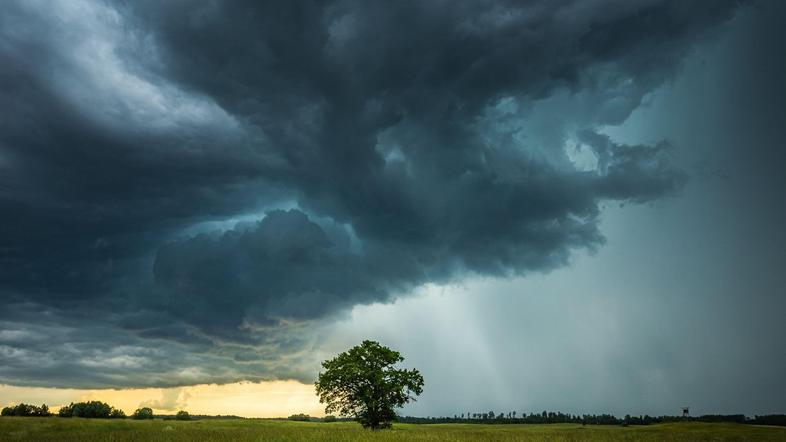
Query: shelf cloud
[189, 192]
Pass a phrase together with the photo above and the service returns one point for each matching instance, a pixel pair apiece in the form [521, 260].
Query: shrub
[329, 418]
[117, 414]
[143, 413]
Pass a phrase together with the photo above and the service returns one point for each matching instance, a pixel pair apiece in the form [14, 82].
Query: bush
[26, 410]
[117, 414]
[143, 413]
[329, 418]
[300, 417]
[183, 416]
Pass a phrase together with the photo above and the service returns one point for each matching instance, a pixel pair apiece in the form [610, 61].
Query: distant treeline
[91, 409]
[306, 418]
[26, 410]
[97, 409]
[196, 417]
[550, 417]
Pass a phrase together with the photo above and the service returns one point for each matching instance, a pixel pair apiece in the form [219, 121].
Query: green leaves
[143, 413]
[364, 383]
[95, 409]
[26, 410]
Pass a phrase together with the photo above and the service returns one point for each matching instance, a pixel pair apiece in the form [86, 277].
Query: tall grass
[88, 430]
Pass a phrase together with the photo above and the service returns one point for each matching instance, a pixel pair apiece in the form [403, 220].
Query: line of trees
[769, 419]
[102, 410]
[26, 410]
[548, 417]
[90, 409]
[513, 417]
[300, 417]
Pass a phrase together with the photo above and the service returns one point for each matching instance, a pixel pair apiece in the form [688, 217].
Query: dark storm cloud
[413, 141]
[284, 266]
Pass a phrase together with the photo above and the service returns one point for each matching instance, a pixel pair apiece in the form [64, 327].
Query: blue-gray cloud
[411, 143]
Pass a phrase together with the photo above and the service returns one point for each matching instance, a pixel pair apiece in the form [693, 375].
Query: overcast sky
[563, 205]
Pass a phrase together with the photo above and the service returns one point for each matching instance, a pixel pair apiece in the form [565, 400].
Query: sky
[562, 205]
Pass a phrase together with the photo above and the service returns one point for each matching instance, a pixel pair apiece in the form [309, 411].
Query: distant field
[76, 429]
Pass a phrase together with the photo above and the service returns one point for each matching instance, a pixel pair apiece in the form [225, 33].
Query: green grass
[76, 429]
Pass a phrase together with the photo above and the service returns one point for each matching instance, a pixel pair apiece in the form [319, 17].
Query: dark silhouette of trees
[300, 417]
[550, 417]
[364, 384]
[143, 413]
[95, 409]
[26, 410]
[770, 419]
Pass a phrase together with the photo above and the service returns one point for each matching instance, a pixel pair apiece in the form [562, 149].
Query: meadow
[78, 429]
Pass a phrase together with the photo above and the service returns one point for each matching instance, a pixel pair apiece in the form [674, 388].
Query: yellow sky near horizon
[247, 399]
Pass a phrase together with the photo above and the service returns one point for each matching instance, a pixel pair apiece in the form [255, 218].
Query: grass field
[76, 429]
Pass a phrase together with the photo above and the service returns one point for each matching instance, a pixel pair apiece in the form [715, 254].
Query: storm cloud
[187, 191]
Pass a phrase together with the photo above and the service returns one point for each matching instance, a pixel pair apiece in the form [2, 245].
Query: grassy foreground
[76, 429]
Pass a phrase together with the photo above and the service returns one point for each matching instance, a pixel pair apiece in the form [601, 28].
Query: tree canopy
[143, 413]
[26, 410]
[363, 383]
[96, 409]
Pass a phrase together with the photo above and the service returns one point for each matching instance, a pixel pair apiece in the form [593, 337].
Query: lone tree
[363, 383]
